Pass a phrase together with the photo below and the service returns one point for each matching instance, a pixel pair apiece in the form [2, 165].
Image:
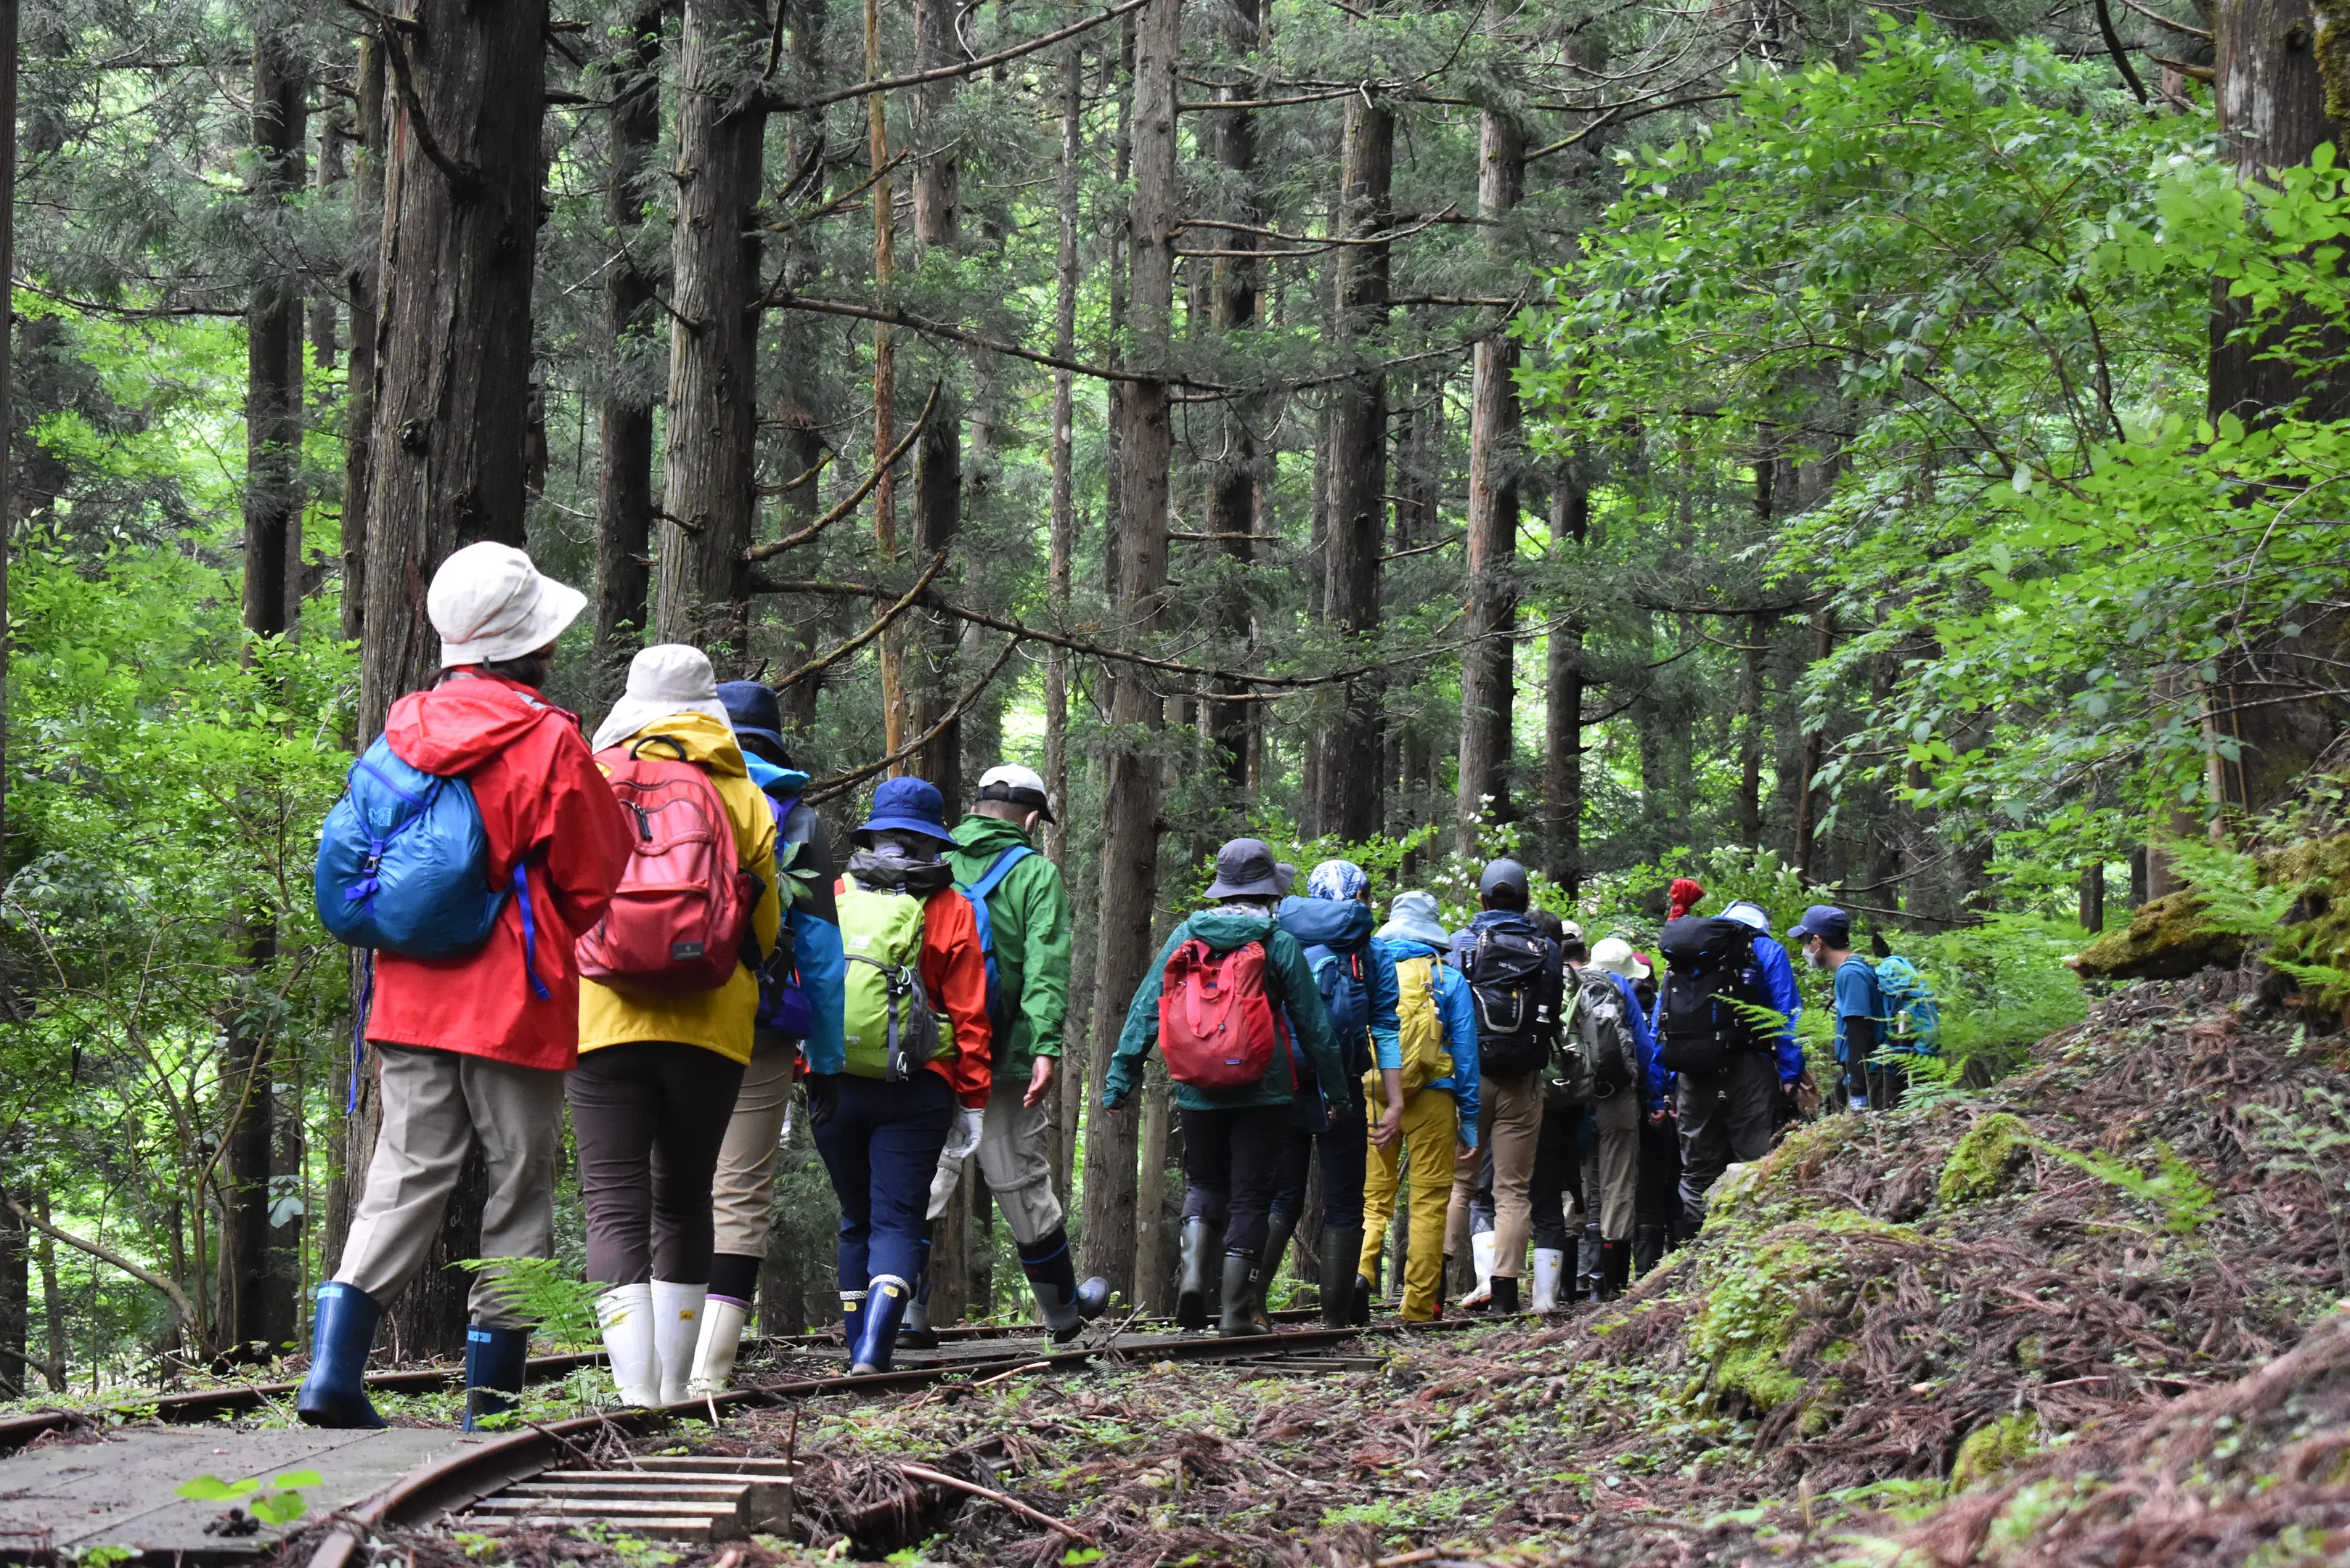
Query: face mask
[1813, 957]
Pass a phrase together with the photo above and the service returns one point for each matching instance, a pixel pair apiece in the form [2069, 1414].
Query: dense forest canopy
[1867, 454]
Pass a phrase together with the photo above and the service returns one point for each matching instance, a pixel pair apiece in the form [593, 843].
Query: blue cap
[908, 805]
[1825, 921]
[755, 714]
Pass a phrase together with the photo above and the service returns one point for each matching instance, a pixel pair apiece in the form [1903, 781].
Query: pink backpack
[677, 922]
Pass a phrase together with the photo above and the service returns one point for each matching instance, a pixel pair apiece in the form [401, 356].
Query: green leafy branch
[538, 1291]
[2183, 1198]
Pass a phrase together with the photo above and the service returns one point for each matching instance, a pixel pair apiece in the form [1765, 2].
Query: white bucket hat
[1412, 917]
[488, 601]
[1615, 955]
[667, 677]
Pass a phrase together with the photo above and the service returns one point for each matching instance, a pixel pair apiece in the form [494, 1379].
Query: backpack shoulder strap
[1001, 868]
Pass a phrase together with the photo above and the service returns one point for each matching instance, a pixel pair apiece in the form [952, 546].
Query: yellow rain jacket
[717, 1019]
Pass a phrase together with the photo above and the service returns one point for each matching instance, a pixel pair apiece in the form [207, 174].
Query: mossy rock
[2316, 934]
[1984, 1159]
[2166, 939]
[1989, 1449]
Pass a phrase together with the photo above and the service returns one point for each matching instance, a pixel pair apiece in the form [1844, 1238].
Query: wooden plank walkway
[123, 1491]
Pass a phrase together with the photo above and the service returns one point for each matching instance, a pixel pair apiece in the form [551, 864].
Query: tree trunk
[1347, 797]
[712, 428]
[360, 288]
[932, 686]
[1815, 750]
[1153, 1287]
[15, 1294]
[1139, 413]
[1487, 687]
[462, 179]
[1753, 726]
[2092, 896]
[1570, 523]
[8, 32]
[624, 416]
[54, 1316]
[1232, 482]
[891, 650]
[1060, 559]
[255, 1284]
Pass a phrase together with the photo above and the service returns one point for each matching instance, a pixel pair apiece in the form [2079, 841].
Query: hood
[783, 783]
[1340, 925]
[707, 741]
[1402, 949]
[988, 834]
[462, 723]
[1223, 929]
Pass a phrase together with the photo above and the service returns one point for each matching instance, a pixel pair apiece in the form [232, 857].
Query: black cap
[1503, 873]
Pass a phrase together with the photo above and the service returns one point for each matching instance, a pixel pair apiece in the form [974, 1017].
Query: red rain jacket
[544, 802]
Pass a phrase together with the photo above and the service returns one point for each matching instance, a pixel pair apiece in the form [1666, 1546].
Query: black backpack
[1511, 969]
[1602, 1026]
[1713, 975]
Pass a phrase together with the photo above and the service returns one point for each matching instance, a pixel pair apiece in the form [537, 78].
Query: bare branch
[849, 504]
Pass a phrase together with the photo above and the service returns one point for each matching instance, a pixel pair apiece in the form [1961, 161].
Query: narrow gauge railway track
[203, 1405]
[543, 1476]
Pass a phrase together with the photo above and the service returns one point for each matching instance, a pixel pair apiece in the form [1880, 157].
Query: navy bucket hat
[755, 714]
[908, 805]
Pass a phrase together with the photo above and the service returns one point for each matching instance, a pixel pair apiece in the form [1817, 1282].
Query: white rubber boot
[1481, 1253]
[677, 1326]
[1550, 1267]
[625, 1313]
[714, 1352]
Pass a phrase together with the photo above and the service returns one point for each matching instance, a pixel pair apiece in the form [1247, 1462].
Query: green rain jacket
[1289, 985]
[1029, 912]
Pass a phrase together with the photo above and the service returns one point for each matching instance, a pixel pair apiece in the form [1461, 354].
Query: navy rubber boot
[877, 1334]
[335, 1392]
[495, 1358]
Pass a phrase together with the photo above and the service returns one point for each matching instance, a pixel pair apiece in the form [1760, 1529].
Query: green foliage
[2184, 1202]
[2227, 889]
[542, 1291]
[1994, 1447]
[279, 1503]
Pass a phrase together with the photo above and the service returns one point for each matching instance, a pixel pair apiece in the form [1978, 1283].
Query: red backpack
[677, 921]
[1216, 1024]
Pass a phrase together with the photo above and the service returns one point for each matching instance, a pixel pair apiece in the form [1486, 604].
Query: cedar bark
[1062, 550]
[624, 416]
[360, 283]
[1349, 779]
[1139, 413]
[1570, 523]
[891, 650]
[932, 686]
[462, 184]
[16, 1299]
[8, 30]
[1815, 754]
[1488, 688]
[1234, 479]
[714, 411]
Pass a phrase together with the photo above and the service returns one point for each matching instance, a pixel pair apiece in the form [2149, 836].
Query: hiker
[1863, 1019]
[1631, 1089]
[799, 1000]
[1436, 1039]
[1657, 1224]
[1357, 981]
[473, 1030]
[1784, 998]
[671, 988]
[912, 1080]
[1711, 1034]
[1022, 912]
[1218, 1004]
[1515, 977]
[1555, 1198]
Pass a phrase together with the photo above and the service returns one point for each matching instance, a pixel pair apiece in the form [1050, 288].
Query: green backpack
[890, 1027]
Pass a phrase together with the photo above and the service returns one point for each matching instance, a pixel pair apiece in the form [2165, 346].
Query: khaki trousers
[1011, 1157]
[1431, 1128]
[1611, 1171]
[743, 1191]
[436, 1105]
[1509, 1121]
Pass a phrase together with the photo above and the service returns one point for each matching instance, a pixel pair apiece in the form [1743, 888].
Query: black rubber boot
[915, 1331]
[1241, 1282]
[1192, 1294]
[335, 1392]
[1506, 1295]
[1341, 1249]
[1615, 1267]
[1065, 1305]
[1586, 1264]
[1278, 1229]
[1648, 1248]
[1364, 1291]
[494, 1360]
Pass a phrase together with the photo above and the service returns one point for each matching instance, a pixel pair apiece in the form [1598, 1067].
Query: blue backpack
[1346, 998]
[1913, 1022]
[403, 862]
[998, 1008]
[800, 988]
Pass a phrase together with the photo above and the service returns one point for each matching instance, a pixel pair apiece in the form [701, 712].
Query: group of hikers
[652, 926]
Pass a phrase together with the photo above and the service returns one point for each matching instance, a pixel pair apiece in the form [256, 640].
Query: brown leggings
[649, 1117]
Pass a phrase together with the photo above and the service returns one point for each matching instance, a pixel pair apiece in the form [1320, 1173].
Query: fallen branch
[840, 784]
[817, 666]
[180, 1302]
[940, 1477]
[855, 497]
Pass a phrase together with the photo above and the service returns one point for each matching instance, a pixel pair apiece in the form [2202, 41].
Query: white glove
[965, 1136]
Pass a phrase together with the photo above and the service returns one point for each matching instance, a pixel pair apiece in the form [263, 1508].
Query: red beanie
[1686, 896]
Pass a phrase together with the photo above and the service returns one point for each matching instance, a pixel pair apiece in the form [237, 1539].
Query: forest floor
[2086, 1315]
